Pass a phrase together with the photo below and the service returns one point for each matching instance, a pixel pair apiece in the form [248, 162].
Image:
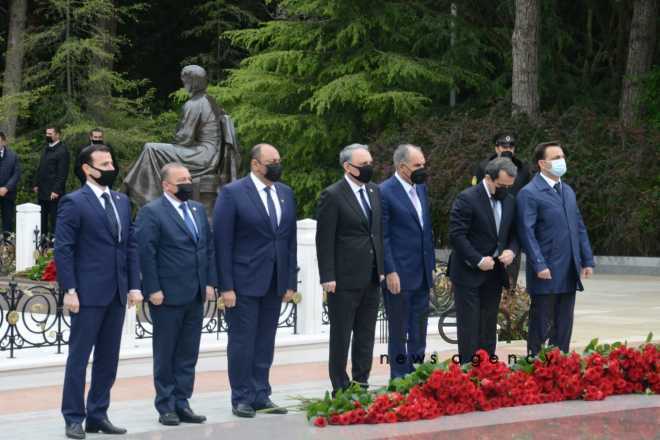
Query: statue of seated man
[204, 137]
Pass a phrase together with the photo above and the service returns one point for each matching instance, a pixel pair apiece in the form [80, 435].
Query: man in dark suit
[483, 239]
[409, 258]
[556, 243]
[50, 179]
[10, 173]
[177, 259]
[505, 146]
[95, 138]
[254, 223]
[98, 268]
[349, 246]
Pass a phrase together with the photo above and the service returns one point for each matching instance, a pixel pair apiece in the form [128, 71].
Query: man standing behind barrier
[557, 246]
[97, 264]
[254, 222]
[409, 258]
[178, 274]
[349, 246]
[10, 174]
[483, 239]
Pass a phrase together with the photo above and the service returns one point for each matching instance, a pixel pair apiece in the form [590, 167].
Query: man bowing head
[254, 221]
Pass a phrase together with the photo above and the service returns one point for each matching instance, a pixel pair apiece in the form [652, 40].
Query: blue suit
[180, 264]
[102, 269]
[553, 236]
[408, 251]
[260, 265]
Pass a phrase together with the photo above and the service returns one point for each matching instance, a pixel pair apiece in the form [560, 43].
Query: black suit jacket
[473, 235]
[53, 171]
[77, 166]
[10, 173]
[347, 246]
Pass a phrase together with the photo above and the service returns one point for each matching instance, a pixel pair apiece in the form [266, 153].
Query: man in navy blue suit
[482, 234]
[10, 174]
[556, 243]
[409, 258]
[178, 274]
[254, 223]
[97, 266]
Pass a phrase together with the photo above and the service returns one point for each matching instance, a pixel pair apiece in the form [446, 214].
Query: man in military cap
[505, 146]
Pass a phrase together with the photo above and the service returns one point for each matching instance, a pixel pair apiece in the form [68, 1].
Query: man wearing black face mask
[505, 146]
[409, 258]
[177, 258]
[483, 238]
[98, 268]
[254, 222]
[349, 246]
[95, 138]
[50, 178]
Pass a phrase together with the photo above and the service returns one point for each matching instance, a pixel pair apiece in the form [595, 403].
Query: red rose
[321, 422]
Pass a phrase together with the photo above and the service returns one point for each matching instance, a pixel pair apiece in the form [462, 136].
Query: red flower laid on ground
[434, 390]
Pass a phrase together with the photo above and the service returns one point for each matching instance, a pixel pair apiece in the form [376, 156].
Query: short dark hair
[501, 164]
[55, 128]
[539, 150]
[95, 130]
[3, 136]
[86, 153]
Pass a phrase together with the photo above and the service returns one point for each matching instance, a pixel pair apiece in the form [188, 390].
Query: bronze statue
[205, 143]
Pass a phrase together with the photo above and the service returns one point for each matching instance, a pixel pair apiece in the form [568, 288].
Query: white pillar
[28, 218]
[311, 306]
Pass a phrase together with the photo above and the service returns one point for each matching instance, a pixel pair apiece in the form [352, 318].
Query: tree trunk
[525, 45]
[640, 57]
[14, 64]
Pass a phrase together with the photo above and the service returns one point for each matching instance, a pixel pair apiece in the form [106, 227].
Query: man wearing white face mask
[555, 240]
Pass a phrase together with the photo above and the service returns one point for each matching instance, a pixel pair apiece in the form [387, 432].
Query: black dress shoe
[169, 419]
[104, 426]
[188, 416]
[243, 410]
[269, 407]
[75, 430]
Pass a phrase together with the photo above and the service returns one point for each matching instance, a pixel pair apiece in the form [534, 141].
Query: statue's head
[194, 79]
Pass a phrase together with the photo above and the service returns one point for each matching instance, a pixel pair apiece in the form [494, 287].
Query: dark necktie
[112, 218]
[365, 205]
[271, 208]
[557, 188]
[187, 219]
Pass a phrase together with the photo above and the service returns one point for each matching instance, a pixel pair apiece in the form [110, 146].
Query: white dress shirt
[98, 192]
[356, 191]
[411, 190]
[177, 207]
[264, 197]
[551, 182]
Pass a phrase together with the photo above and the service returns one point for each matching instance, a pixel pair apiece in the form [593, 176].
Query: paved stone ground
[612, 307]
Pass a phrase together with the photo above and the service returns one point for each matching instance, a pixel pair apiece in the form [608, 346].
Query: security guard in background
[505, 146]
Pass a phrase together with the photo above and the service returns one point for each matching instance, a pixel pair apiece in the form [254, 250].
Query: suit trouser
[476, 317]
[407, 314]
[550, 318]
[8, 207]
[251, 345]
[98, 328]
[352, 311]
[177, 332]
[48, 215]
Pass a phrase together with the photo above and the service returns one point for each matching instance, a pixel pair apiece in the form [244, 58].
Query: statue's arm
[185, 133]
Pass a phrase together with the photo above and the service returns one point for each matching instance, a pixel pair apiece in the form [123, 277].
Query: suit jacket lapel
[405, 199]
[347, 191]
[171, 210]
[489, 208]
[507, 214]
[96, 205]
[256, 200]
